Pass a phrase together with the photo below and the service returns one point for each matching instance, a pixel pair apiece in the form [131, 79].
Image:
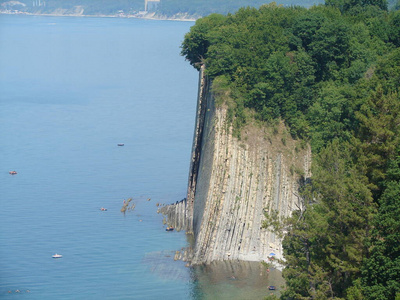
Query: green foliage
[273, 222]
[332, 115]
[279, 61]
[196, 42]
[221, 91]
[324, 246]
[378, 134]
[271, 297]
[394, 24]
[381, 270]
[346, 5]
[330, 47]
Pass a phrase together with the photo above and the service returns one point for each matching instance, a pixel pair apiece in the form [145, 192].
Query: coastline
[149, 16]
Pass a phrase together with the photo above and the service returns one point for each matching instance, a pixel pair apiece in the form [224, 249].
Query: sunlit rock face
[233, 182]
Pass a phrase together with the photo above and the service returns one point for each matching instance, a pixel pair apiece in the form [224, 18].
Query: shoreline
[122, 16]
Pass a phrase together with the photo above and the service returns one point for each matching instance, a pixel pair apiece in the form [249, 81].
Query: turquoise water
[71, 89]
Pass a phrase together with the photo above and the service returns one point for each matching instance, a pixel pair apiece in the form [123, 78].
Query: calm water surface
[71, 89]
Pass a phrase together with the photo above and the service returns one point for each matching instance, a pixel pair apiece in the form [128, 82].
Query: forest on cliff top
[332, 73]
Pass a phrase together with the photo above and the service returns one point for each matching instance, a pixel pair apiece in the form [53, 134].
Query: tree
[196, 42]
[332, 115]
[330, 48]
[394, 24]
[381, 271]
[378, 135]
[346, 5]
[305, 27]
[325, 243]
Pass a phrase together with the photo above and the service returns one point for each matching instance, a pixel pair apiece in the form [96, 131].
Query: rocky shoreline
[65, 13]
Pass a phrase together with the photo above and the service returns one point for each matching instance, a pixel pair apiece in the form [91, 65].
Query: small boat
[121, 144]
[103, 209]
[272, 288]
[57, 255]
[169, 229]
[12, 173]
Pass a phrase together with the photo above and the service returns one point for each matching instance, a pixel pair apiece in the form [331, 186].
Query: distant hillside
[168, 8]
[165, 8]
[89, 7]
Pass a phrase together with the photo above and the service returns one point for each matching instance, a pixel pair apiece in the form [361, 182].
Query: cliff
[233, 182]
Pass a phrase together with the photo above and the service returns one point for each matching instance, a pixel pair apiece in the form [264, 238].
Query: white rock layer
[232, 183]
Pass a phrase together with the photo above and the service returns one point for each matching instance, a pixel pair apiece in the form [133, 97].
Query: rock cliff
[233, 182]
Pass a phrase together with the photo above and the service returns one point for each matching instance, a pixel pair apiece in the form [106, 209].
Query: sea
[71, 90]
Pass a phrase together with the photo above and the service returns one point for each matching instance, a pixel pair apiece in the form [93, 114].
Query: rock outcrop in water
[233, 182]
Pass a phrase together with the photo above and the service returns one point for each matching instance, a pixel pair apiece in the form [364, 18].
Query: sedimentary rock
[233, 182]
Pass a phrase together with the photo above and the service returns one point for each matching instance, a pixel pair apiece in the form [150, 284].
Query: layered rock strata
[233, 182]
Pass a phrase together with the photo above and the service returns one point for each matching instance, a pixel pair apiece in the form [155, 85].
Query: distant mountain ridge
[163, 8]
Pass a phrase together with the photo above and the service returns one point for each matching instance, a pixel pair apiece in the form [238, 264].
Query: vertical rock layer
[232, 183]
